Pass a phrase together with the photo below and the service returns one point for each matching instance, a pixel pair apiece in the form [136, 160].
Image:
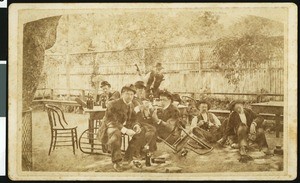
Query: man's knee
[115, 138]
[260, 132]
[196, 130]
[242, 130]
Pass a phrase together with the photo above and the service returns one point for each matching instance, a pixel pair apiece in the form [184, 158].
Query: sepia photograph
[160, 91]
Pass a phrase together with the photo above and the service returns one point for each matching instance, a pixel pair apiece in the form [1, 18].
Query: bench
[225, 114]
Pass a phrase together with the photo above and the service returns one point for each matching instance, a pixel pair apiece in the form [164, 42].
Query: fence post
[193, 95]
[200, 67]
[83, 94]
[68, 62]
[258, 98]
[51, 94]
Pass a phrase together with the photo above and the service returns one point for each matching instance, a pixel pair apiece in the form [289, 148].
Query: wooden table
[56, 102]
[96, 114]
[272, 107]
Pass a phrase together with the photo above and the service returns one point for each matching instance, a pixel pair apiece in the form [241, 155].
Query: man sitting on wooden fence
[154, 80]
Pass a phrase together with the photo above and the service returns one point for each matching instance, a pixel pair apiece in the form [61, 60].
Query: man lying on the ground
[142, 108]
[120, 118]
[245, 123]
[107, 95]
[206, 124]
[167, 118]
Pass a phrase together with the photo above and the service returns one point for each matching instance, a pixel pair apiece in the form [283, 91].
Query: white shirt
[243, 117]
[204, 115]
[195, 122]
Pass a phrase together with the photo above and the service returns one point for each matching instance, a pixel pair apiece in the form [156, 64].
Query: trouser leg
[261, 138]
[242, 134]
[150, 137]
[115, 142]
[134, 145]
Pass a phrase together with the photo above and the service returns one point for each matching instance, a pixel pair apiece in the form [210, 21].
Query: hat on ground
[139, 84]
[128, 87]
[159, 66]
[198, 102]
[105, 83]
[232, 104]
[166, 94]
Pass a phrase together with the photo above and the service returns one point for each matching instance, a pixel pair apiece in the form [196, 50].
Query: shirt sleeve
[194, 122]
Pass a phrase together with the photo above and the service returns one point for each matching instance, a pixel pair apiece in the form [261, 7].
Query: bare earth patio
[219, 160]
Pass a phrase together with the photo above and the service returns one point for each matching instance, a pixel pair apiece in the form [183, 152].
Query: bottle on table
[90, 102]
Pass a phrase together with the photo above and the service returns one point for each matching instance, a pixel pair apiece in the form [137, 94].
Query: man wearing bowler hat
[246, 125]
[120, 118]
[107, 94]
[154, 81]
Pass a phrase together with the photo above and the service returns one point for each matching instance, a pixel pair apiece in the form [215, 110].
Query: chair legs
[54, 141]
[51, 143]
[73, 144]
[76, 139]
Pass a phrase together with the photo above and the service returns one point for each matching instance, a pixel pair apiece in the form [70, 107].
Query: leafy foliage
[36, 41]
[250, 48]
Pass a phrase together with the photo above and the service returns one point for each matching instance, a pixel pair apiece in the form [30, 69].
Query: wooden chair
[60, 129]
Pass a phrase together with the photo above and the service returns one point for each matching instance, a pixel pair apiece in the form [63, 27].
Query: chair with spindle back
[60, 129]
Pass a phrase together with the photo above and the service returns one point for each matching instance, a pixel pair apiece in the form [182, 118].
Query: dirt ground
[219, 160]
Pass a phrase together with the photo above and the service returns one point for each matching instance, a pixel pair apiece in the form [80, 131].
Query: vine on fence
[247, 51]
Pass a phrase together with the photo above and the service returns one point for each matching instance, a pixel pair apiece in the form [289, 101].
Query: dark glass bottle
[90, 102]
[103, 102]
[148, 158]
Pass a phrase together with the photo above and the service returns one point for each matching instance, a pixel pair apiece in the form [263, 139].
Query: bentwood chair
[62, 134]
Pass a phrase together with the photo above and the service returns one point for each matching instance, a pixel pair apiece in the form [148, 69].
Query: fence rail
[62, 92]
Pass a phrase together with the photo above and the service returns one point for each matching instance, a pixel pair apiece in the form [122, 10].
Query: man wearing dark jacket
[142, 108]
[244, 123]
[154, 81]
[167, 118]
[107, 94]
[120, 118]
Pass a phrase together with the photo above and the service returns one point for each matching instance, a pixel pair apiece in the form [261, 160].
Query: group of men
[134, 115]
[131, 112]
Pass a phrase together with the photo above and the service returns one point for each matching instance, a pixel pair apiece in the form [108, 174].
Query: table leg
[91, 133]
[277, 123]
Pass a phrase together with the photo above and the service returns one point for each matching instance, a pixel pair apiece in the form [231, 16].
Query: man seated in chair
[206, 125]
[142, 108]
[166, 118]
[107, 94]
[247, 126]
[120, 118]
